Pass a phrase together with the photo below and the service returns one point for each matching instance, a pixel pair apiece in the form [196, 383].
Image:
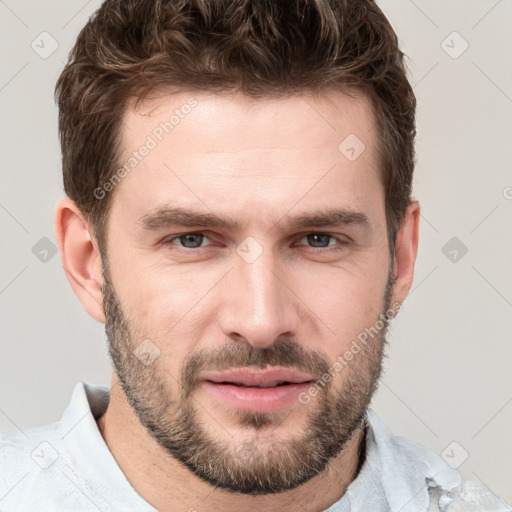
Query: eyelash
[341, 242]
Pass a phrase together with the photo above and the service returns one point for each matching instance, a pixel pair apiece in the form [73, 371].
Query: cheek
[165, 303]
[347, 302]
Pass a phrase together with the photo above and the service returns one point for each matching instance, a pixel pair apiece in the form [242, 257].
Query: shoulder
[28, 449]
[37, 469]
[29, 460]
[410, 466]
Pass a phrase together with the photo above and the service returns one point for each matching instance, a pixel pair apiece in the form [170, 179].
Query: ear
[406, 249]
[80, 257]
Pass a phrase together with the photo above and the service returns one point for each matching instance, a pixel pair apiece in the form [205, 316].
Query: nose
[258, 305]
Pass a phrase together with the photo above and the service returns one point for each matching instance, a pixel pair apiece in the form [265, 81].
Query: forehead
[208, 117]
[233, 152]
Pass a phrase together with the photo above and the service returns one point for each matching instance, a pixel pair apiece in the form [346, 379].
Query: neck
[169, 486]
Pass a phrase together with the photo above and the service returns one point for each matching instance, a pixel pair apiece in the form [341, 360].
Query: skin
[259, 162]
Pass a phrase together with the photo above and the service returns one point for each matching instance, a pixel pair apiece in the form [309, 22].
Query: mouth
[248, 378]
[264, 385]
[257, 390]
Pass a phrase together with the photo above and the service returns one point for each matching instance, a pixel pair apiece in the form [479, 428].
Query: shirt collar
[395, 475]
[79, 431]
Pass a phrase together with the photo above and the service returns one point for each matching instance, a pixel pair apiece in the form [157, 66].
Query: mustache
[238, 354]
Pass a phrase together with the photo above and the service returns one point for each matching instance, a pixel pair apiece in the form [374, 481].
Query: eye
[323, 240]
[187, 240]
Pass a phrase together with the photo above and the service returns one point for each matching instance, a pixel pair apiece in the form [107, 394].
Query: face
[247, 253]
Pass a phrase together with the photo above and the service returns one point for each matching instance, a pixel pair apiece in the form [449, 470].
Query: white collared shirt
[67, 466]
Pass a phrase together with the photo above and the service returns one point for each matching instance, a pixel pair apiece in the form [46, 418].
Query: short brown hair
[261, 48]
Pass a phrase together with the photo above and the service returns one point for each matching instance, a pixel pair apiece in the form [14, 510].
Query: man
[239, 215]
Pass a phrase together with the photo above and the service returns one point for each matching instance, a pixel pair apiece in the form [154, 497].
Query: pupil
[318, 238]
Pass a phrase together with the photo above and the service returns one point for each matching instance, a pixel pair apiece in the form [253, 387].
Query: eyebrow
[167, 217]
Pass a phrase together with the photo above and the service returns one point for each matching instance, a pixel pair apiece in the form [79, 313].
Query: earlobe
[406, 250]
[80, 257]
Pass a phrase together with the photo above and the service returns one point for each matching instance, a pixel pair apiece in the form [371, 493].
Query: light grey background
[448, 375]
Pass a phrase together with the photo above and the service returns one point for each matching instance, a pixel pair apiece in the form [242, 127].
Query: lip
[246, 395]
[258, 377]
